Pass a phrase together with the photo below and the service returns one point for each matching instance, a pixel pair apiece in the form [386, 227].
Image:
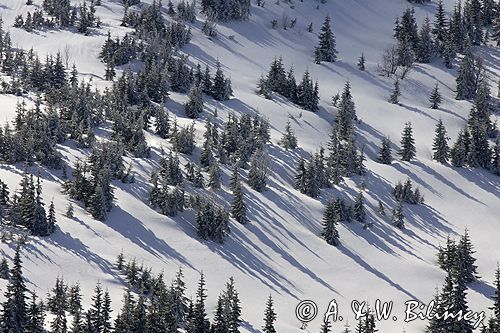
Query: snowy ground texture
[279, 251]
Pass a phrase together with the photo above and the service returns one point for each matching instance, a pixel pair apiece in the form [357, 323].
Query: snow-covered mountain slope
[280, 251]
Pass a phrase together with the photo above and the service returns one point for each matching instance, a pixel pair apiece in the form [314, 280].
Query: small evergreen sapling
[269, 317]
[288, 140]
[435, 98]
[330, 221]
[238, 207]
[359, 208]
[396, 93]
[398, 216]
[362, 62]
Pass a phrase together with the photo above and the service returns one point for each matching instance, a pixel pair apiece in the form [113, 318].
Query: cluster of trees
[472, 147]
[494, 322]
[219, 88]
[238, 141]
[240, 144]
[26, 209]
[162, 308]
[33, 137]
[471, 75]
[446, 36]
[458, 262]
[407, 150]
[212, 220]
[225, 10]
[155, 41]
[63, 15]
[167, 190]
[32, 22]
[459, 257]
[91, 180]
[336, 211]
[344, 160]
[305, 94]
[185, 11]
[405, 193]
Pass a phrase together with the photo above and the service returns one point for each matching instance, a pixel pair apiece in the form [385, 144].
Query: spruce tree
[201, 323]
[326, 50]
[35, 316]
[59, 323]
[346, 113]
[232, 307]
[96, 317]
[194, 105]
[74, 299]
[288, 140]
[330, 221]
[269, 317]
[362, 62]
[220, 324]
[407, 151]
[440, 144]
[440, 29]
[465, 252]
[425, 51]
[14, 309]
[359, 208]
[4, 269]
[214, 176]
[221, 88]
[435, 97]
[460, 150]
[70, 211]
[394, 98]
[385, 152]
[238, 207]
[398, 216]
[51, 220]
[496, 300]
[467, 77]
[257, 175]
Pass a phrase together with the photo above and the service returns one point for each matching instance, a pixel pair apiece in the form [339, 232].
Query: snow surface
[279, 251]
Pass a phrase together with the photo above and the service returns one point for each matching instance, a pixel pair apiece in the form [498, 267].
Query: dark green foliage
[440, 144]
[211, 221]
[385, 152]
[396, 93]
[14, 316]
[257, 176]
[238, 207]
[398, 216]
[288, 140]
[331, 219]
[408, 150]
[305, 94]
[405, 193]
[435, 98]
[326, 50]
[269, 317]
[359, 208]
